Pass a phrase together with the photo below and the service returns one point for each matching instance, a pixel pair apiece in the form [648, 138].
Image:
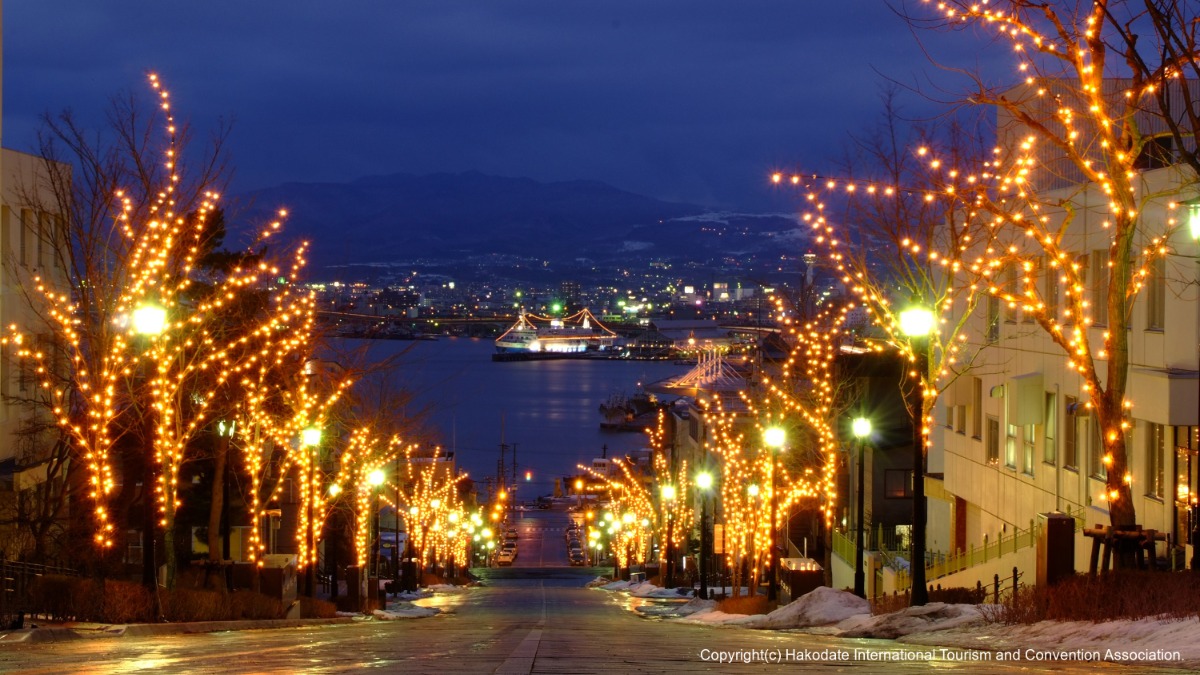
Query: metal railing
[17, 580]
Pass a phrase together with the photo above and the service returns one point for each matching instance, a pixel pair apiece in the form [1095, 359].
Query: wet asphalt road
[529, 618]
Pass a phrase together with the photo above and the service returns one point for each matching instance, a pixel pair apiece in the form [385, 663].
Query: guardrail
[16, 586]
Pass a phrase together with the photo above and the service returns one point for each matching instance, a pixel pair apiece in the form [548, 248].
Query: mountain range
[443, 217]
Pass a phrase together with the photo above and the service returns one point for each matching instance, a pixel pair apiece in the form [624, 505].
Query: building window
[1028, 448]
[23, 239]
[1071, 434]
[1050, 449]
[1050, 292]
[960, 411]
[1155, 446]
[948, 411]
[1010, 446]
[992, 335]
[1099, 277]
[1156, 294]
[993, 440]
[1029, 288]
[976, 408]
[897, 483]
[1010, 292]
[1096, 452]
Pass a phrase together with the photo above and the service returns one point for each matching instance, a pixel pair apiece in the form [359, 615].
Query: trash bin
[1055, 548]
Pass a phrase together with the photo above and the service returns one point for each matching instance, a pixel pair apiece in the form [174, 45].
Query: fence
[16, 586]
[938, 565]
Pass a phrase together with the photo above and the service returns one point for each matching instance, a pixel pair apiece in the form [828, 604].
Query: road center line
[520, 661]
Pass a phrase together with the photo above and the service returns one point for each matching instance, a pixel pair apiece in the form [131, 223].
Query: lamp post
[862, 430]
[1193, 218]
[917, 323]
[579, 493]
[149, 321]
[311, 438]
[775, 438]
[375, 479]
[704, 481]
[668, 499]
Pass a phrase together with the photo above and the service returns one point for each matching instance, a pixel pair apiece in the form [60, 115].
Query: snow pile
[719, 618]
[1144, 635]
[597, 582]
[676, 610]
[936, 616]
[820, 607]
[404, 610]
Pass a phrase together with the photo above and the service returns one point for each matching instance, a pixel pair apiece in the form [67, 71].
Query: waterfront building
[34, 458]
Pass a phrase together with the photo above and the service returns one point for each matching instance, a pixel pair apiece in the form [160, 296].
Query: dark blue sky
[689, 100]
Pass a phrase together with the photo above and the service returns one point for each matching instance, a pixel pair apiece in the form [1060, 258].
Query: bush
[1121, 595]
[56, 596]
[746, 604]
[186, 604]
[251, 605]
[313, 608]
[126, 602]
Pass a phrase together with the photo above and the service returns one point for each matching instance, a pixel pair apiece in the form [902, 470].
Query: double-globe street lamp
[148, 320]
[917, 324]
[311, 438]
[862, 430]
[1193, 218]
[704, 481]
[775, 438]
[668, 504]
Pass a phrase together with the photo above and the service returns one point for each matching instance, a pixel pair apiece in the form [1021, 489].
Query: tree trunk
[215, 547]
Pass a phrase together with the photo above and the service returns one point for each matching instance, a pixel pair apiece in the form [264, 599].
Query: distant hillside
[451, 216]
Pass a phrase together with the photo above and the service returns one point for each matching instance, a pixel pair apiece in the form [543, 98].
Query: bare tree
[1103, 98]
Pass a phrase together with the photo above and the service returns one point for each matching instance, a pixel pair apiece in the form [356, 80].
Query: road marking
[520, 661]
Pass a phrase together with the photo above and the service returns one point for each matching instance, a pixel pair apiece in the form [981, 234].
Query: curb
[65, 634]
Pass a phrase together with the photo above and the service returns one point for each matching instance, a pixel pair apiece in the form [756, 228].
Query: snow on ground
[936, 616]
[1144, 636]
[404, 610]
[839, 613]
[821, 607]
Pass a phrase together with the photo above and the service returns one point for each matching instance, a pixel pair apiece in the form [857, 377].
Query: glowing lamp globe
[861, 427]
[704, 481]
[775, 437]
[916, 321]
[375, 477]
[149, 320]
[310, 437]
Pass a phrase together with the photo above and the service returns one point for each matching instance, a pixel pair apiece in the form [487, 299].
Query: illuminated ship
[576, 334]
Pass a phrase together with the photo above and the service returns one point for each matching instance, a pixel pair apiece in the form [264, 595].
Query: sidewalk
[63, 632]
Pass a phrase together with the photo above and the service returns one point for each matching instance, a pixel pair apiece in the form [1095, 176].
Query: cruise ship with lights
[533, 336]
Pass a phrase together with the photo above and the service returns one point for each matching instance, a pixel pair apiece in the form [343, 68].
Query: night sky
[688, 100]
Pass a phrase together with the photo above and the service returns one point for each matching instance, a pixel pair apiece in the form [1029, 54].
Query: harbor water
[548, 409]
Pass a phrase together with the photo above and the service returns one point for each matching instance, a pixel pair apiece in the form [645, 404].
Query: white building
[1016, 439]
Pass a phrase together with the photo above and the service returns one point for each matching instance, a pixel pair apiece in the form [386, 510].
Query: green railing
[937, 565]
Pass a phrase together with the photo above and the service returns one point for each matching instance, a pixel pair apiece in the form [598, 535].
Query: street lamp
[704, 481]
[579, 493]
[375, 479]
[917, 323]
[862, 430]
[668, 498]
[774, 438]
[1193, 219]
[148, 320]
[310, 437]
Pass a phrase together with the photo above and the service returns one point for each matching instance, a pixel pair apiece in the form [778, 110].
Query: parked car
[578, 559]
[506, 556]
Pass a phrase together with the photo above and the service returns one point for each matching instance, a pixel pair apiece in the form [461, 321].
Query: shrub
[185, 604]
[313, 608]
[1120, 595]
[746, 604]
[55, 596]
[125, 602]
[251, 605]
